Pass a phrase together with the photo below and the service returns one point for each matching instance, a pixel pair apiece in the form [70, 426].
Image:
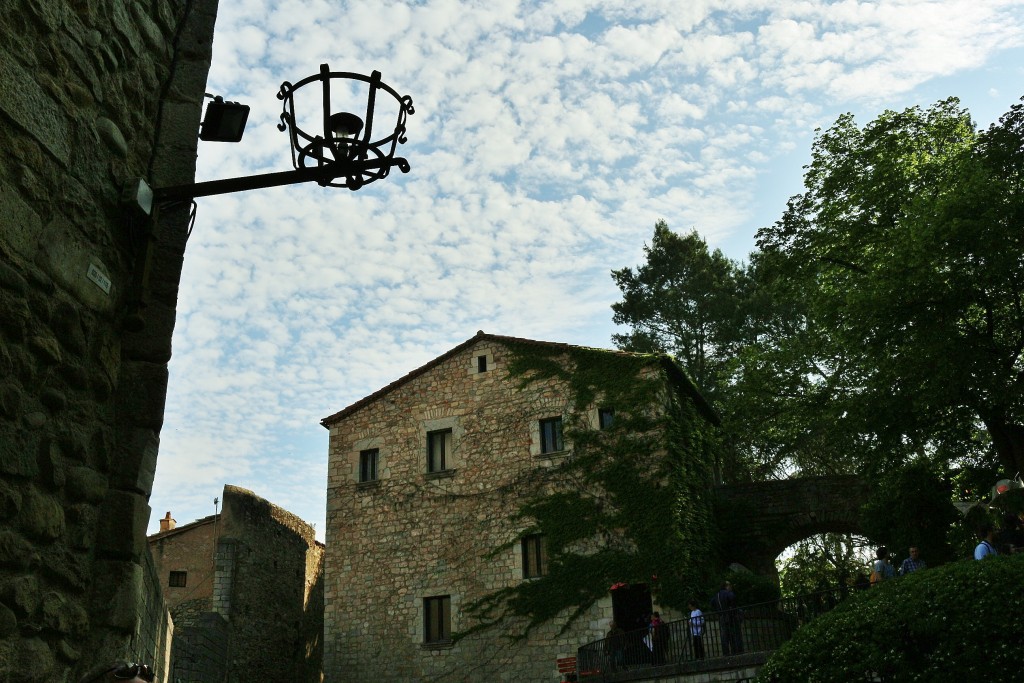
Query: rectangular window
[551, 435]
[535, 556]
[481, 363]
[368, 464]
[177, 579]
[605, 417]
[437, 619]
[439, 447]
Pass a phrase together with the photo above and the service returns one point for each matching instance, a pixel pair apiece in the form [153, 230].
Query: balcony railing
[754, 628]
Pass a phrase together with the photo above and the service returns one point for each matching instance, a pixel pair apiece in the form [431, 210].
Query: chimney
[166, 524]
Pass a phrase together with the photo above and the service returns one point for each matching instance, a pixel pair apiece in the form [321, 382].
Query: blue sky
[547, 140]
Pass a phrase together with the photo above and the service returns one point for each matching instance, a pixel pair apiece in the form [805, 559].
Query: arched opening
[824, 562]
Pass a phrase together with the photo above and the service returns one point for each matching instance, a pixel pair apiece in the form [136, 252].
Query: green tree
[821, 562]
[912, 506]
[684, 301]
[905, 251]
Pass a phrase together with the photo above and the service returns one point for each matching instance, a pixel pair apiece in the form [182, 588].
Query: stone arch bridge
[761, 519]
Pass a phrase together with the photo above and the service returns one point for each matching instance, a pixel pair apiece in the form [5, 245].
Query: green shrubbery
[958, 622]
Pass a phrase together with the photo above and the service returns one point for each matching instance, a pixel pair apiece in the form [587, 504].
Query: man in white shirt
[697, 630]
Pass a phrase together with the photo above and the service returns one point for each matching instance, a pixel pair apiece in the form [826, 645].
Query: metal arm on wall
[343, 153]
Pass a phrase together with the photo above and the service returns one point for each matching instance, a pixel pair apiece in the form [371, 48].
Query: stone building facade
[245, 588]
[92, 96]
[184, 558]
[424, 479]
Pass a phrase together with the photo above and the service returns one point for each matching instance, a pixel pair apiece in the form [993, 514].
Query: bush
[959, 622]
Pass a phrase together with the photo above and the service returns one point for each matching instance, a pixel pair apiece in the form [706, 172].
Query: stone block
[64, 616]
[10, 399]
[149, 31]
[8, 622]
[16, 458]
[22, 226]
[11, 280]
[123, 520]
[15, 551]
[29, 661]
[81, 526]
[22, 99]
[22, 595]
[142, 393]
[136, 458]
[65, 568]
[51, 464]
[10, 500]
[66, 323]
[70, 260]
[153, 343]
[42, 516]
[119, 597]
[84, 484]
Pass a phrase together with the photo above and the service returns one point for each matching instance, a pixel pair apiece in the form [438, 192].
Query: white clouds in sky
[548, 138]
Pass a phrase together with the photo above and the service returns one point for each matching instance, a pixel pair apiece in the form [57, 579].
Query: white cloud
[548, 138]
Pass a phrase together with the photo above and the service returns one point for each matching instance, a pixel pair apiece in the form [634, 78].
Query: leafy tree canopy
[905, 250]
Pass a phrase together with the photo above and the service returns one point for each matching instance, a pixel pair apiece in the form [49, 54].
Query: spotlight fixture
[224, 121]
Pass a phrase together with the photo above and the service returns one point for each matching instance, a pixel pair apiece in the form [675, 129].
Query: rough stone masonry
[93, 94]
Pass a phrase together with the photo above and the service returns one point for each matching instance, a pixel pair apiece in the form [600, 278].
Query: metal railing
[716, 635]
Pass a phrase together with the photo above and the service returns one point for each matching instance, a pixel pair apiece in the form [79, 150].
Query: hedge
[959, 622]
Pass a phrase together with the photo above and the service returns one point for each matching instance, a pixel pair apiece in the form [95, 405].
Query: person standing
[881, 568]
[696, 630]
[615, 646]
[730, 619]
[913, 563]
[659, 639]
[986, 532]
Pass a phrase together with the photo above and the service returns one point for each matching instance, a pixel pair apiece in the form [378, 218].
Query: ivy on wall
[630, 504]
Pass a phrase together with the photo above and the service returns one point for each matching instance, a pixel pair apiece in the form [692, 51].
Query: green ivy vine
[632, 504]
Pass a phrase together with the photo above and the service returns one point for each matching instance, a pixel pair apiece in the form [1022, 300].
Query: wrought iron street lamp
[343, 150]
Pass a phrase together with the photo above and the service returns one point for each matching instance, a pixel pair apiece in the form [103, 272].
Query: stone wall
[412, 535]
[761, 519]
[269, 569]
[92, 95]
[253, 599]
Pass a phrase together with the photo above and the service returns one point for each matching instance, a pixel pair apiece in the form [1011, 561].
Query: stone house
[245, 590]
[420, 503]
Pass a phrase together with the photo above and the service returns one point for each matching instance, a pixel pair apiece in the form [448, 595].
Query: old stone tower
[93, 94]
[245, 589]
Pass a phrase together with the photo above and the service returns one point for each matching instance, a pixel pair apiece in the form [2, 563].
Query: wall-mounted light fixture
[343, 150]
[223, 121]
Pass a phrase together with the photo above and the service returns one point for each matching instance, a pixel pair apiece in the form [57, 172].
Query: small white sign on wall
[98, 278]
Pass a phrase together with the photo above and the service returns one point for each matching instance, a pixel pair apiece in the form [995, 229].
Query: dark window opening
[481, 363]
[605, 417]
[551, 435]
[437, 619]
[535, 556]
[368, 464]
[439, 446]
[177, 579]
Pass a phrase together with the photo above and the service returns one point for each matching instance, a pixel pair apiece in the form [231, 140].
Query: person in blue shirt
[985, 549]
[912, 563]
